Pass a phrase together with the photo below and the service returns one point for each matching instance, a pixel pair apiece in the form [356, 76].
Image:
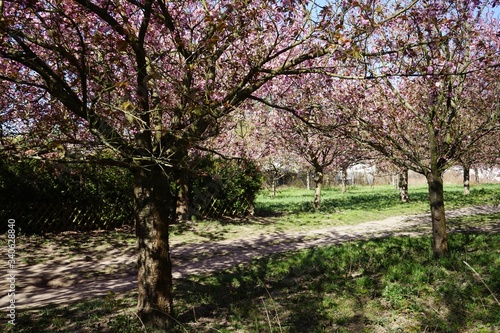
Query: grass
[384, 199]
[383, 285]
[292, 210]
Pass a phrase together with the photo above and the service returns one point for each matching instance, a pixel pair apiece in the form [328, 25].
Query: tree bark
[273, 186]
[476, 175]
[344, 180]
[155, 202]
[403, 185]
[466, 180]
[318, 180]
[308, 180]
[436, 200]
[182, 210]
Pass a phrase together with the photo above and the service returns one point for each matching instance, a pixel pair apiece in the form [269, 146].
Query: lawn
[292, 210]
[382, 285]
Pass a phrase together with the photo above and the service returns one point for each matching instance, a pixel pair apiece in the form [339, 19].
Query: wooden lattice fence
[39, 217]
[44, 197]
[51, 198]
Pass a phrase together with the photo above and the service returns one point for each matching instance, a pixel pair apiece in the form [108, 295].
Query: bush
[224, 187]
[52, 197]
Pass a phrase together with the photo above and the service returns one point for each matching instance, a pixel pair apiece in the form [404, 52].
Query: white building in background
[485, 175]
[359, 174]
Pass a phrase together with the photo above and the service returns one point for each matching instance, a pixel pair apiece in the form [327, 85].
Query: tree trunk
[273, 186]
[466, 180]
[308, 180]
[436, 200]
[183, 212]
[395, 180]
[344, 180]
[155, 202]
[318, 180]
[476, 175]
[403, 185]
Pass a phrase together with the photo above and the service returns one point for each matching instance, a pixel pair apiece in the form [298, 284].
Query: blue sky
[496, 10]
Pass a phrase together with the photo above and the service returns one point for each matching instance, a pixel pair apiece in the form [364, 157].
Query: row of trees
[151, 82]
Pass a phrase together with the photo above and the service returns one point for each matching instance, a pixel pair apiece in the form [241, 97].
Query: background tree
[485, 152]
[319, 151]
[418, 121]
[298, 104]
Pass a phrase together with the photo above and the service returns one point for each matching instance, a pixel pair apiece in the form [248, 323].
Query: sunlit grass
[292, 210]
[377, 198]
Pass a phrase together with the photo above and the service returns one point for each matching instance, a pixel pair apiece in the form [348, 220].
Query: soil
[80, 266]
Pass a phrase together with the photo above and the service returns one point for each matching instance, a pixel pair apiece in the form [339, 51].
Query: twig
[267, 315]
[277, 318]
[484, 283]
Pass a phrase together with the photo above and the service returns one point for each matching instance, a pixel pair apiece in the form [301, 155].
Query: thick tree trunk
[436, 200]
[155, 203]
[403, 185]
[466, 180]
[344, 180]
[318, 180]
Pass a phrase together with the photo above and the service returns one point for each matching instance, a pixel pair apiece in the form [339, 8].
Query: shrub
[224, 187]
[52, 197]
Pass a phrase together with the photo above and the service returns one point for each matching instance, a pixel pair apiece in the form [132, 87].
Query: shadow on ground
[392, 284]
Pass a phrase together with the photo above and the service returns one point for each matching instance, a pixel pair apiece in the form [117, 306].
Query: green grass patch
[472, 222]
[382, 285]
[377, 198]
[292, 210]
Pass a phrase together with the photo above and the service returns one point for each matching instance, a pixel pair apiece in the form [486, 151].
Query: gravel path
[74, 277]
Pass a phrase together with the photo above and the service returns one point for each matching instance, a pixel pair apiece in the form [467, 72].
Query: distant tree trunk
[466, 179]
[308, 180]
[344, 179]
[273, 186]
[318, 180]
[250, 201]
[183, 211]
[436, 200]
[395, 180]
[476, 175]
[154, 209]
[403, 185]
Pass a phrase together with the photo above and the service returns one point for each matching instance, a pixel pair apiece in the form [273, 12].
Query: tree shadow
[331, 289]
[258, 294]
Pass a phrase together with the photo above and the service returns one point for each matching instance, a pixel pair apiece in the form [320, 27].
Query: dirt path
[65, 278]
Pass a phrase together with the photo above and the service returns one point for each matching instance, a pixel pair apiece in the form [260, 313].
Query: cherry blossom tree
[485, 151]
[249, 134]
[318, 150]
[321, 152]
[445, 103]
[147, 81]
[487, 155]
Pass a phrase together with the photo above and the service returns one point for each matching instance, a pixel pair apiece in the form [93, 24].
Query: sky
[496, 10]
